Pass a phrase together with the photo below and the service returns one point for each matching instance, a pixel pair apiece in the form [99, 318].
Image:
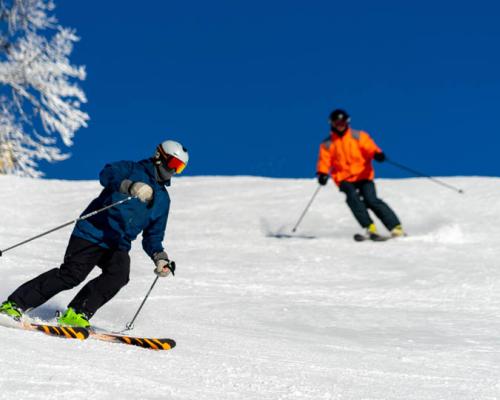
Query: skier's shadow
[283, 232]
[282, 235]
[45, 312]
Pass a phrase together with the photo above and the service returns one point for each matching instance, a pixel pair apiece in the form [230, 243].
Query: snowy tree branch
[43, 83]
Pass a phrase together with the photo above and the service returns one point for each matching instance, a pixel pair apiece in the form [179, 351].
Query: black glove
[379, 157]
[322, 179]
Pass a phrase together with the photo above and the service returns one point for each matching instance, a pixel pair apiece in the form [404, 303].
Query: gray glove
[163, 265]
[141, 190]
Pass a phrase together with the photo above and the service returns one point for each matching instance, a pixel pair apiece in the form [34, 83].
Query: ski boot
[372, 234]
[397, 231]
[11, 309]
[371, 230]
[73, 318]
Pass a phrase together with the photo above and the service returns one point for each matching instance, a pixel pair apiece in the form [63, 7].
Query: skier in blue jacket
[105, 239]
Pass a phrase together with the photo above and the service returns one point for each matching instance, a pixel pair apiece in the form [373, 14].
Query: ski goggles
[172, 163]
[339, 123]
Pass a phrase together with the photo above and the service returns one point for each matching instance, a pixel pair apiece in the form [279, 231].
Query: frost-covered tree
[40, 99]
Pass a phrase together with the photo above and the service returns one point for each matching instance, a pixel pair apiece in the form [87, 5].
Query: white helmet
[170, 158]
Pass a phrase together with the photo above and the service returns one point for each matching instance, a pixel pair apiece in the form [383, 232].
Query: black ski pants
[361, 196]
[80, 258]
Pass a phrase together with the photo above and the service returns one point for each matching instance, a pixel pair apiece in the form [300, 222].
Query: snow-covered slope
[257, 317]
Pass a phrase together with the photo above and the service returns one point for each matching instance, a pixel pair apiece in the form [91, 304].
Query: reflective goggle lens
[174, 164]
[339, 122]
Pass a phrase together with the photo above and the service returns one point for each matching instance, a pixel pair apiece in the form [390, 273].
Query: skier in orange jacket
[346, 155]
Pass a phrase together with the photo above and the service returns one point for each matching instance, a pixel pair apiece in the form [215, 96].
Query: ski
[66, 332]
[147, 343]
[359, 237]
[69, 332]
[80, 333]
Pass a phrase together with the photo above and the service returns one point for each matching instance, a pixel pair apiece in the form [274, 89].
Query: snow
[316, 316]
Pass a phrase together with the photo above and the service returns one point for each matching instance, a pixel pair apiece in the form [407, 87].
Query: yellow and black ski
[147, 343]
[48, 329]
[67, 332]
[83, 333]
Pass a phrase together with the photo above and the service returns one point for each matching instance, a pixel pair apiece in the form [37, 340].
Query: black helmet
[339, 114]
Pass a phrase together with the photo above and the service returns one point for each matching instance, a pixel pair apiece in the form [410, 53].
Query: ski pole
[129, 326]
[91, 214]
[418, 173]
[307, 208]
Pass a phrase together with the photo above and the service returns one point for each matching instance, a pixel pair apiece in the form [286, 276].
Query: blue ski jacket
[118, 226]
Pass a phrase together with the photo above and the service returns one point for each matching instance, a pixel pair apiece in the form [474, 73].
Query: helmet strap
[157, 159]
[162, 175]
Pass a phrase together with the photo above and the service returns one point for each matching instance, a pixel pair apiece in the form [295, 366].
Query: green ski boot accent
[398, 231]
[372, 229]
[72, 318]
[11, 309]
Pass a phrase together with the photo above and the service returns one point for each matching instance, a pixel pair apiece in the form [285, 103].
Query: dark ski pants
[361, 196]
[80, 258]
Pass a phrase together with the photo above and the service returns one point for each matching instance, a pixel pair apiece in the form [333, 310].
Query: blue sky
[247, 86]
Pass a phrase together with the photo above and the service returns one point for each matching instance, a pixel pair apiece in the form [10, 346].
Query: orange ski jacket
[347, 157]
